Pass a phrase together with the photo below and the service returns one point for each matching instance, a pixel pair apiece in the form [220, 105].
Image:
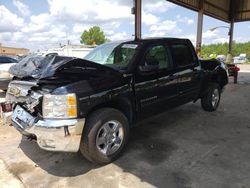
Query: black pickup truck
[71, 104]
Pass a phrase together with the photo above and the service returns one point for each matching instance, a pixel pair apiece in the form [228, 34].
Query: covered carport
[182, 148]
[229, 11]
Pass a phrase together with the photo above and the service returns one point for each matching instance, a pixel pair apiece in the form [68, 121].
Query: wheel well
[219, 79]
[122, 105]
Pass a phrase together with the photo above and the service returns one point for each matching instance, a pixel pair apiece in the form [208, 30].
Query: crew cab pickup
[89, 105]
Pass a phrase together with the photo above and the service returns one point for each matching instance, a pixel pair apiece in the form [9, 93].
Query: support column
[199, 27]
[137, 12]
[231, 32]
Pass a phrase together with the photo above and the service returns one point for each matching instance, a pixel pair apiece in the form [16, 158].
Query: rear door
[156, 91]
[189, 71]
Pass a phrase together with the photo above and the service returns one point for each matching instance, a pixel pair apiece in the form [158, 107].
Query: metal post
[137, 12]
[231, 32]
[199, 27]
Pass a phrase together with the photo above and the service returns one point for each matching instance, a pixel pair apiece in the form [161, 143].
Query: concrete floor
[185, 147]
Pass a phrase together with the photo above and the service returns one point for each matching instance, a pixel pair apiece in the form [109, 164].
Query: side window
[182, 55]
[160, 54]
[121, 56]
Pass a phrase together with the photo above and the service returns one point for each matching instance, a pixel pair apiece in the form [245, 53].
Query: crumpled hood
[40, 67]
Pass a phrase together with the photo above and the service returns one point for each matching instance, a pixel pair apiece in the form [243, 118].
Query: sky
[44, 24]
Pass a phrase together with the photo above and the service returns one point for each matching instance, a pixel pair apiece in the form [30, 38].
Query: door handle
[172, 77]
[194, 69]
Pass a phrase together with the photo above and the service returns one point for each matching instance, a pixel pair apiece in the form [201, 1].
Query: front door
[156, 90]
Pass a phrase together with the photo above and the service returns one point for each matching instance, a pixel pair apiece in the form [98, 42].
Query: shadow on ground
[148, 147]
[244, 78]
[57, 163]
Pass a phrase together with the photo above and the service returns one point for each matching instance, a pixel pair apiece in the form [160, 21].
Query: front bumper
[55, 135]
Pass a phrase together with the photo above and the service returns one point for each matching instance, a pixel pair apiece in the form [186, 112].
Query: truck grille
[20, 92]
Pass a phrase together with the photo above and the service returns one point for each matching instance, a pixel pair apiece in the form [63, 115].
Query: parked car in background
[242, 58]
[5, 77]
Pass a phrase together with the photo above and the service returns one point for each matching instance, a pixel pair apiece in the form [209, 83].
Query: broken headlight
[59, 106]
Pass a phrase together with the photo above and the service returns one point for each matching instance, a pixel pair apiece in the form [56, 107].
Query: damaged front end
[26, 94]
[20, 92]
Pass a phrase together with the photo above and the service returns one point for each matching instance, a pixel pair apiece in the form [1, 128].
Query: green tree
[222, 49]
[93, 36]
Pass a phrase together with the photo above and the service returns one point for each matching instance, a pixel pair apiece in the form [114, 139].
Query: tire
[105, 136]
[211, 100]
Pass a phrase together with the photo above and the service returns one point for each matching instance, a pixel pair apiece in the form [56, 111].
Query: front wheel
[211, 100]
[105, 136]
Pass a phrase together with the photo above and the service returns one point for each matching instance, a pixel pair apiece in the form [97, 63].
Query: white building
[71, 50]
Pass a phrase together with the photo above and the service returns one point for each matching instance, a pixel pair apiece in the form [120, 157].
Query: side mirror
[151, 65]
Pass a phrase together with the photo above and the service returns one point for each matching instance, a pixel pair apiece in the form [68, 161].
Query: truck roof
[162, 38]
[151, 40]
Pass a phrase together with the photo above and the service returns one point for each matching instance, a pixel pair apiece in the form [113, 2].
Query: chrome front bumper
[55, 135]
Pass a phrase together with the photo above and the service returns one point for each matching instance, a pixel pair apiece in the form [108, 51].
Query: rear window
[182, 55]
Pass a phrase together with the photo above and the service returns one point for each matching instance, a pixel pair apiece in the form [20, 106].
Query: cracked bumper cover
[55, 135]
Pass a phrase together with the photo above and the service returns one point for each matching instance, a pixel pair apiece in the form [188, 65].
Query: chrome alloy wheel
[110, 137]
[215, 97]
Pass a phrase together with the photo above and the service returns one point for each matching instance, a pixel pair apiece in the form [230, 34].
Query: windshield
[116, 55]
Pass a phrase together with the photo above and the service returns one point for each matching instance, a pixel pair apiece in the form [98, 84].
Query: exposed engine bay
[20, 92]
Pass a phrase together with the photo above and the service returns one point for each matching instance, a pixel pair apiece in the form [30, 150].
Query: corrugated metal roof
[224, 10]
[242, 12]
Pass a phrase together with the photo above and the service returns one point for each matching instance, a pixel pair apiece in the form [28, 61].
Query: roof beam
[199, 27]
[136, 10]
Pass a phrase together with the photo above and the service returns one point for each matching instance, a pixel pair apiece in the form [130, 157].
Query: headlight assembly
[59, 106]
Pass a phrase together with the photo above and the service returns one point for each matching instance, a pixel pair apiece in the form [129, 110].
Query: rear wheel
[104, 136]
[211, 100]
